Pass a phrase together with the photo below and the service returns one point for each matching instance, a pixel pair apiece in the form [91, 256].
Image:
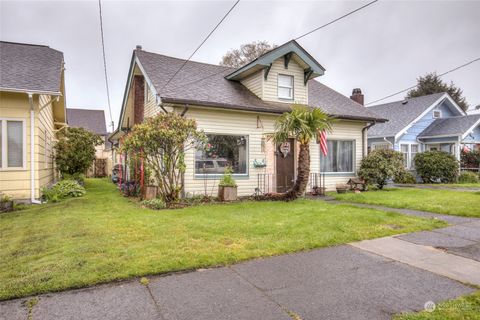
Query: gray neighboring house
[431, 122]
[94, 121]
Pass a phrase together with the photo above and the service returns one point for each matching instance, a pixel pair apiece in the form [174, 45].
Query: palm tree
[304, 124]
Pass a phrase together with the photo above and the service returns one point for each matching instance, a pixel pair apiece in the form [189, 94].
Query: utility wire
[201, 44]
[105, 64]
[335, 20]
[412, 87]
[316, 29]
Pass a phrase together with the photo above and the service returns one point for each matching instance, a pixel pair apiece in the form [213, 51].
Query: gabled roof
[205, 85]
[30, 68]
[92, 120]
[291, 47]
[400, 114]
[454, 126]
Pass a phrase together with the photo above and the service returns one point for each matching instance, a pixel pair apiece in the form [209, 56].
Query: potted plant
[342, 188]
[6, 203]
[227, 188]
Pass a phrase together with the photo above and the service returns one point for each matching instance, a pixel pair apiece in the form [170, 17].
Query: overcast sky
[381, 49]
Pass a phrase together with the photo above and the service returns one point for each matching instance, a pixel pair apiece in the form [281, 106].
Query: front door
[285, 165]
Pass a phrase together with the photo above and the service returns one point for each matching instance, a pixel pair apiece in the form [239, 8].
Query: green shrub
[436, 166]
[155, 204]
[380, 166]
[405, 177]
[470, 159]
[79, 177]
[468, 177]
[227, 179]
[63, 189]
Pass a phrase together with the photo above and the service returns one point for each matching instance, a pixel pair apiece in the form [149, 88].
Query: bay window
[340, 157]
[285, 87]
[12, 143]
[222, 151]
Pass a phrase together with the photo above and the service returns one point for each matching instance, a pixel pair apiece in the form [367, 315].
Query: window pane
[285, 81]
[15, 143]
[222, 151]
[339, 157]
[285, 93]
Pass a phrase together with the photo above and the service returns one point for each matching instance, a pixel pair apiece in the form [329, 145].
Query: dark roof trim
[272, 55]
[258, 109]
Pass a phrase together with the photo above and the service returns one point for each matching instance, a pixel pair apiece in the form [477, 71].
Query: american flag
[323, 143]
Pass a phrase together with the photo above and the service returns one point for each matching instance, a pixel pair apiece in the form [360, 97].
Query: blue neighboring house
[431, 122]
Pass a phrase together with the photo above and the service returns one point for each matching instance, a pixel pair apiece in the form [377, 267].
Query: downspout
[364, 130]
[32, 150]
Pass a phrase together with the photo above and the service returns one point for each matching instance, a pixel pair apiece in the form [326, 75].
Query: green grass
[454, 185]
[464, 308]
[439, 201]
[103, 237]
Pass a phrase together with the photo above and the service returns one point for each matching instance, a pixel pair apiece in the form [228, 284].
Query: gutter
[364, 130]
[32, 150]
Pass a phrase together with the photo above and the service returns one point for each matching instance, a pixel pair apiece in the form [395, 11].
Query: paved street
[371, 279]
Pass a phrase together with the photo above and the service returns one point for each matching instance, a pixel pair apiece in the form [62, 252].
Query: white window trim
[4, 166]
[354, 158]
[439, 114]
[146, 93]
[409, 153]
[219, 175]
[292, 87]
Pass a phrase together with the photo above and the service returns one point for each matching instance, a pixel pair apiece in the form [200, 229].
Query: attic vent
[405, 101]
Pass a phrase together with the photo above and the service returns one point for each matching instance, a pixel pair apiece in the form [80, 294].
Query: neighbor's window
[381, 146]
[437, 114]
[340, 156]
[12, 142]
[222, 151]
[285, 86]
[404, 151]
[413, 153]
[146, 92]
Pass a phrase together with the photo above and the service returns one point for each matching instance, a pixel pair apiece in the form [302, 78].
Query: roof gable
[286, 50]
[30, 68]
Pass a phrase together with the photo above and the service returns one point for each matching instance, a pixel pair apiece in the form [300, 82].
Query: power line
[201, 44]
[335, 20]
[105, 64]
[329, 23]
[412, 87]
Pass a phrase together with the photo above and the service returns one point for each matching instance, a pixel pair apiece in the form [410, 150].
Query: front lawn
[439, 201]
[465, 308]
[103, 237]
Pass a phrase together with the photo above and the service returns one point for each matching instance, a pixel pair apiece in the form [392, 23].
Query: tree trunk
[303, 174]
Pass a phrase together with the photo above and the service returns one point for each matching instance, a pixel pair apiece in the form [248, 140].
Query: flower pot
[6, 206]
[341, 190]
[227, 193]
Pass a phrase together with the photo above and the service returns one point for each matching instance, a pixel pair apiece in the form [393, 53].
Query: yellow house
[237, 109]
[32, 110]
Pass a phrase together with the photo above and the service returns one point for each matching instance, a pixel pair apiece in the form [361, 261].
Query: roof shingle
[450, 126]
[205, 84]
[400, 114]
[27, 67]
[92, 120]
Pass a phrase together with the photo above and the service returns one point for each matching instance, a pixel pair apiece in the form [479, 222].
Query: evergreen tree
[431, 83]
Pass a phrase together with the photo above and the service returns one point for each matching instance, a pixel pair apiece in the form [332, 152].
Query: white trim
[470, 130]
[441, 136]
[444, 97]
[4, 166]
[52, 93]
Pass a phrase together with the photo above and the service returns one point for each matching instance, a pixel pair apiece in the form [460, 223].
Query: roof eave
[33, 91]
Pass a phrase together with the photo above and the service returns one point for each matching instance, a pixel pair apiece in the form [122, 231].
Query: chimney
[139, 47]
[357, 95]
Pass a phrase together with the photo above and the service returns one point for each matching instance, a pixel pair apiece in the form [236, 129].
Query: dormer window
[437, 114]
[285, 87]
